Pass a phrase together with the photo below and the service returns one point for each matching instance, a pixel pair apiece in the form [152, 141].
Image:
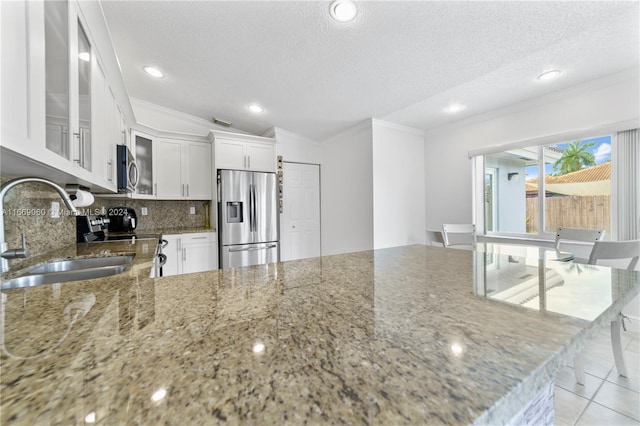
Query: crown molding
[275, 131]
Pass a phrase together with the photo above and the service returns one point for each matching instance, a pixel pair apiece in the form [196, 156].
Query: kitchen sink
[76, 264]
[61, 271]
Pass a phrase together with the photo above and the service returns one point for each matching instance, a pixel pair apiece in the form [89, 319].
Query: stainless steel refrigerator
[247, 218]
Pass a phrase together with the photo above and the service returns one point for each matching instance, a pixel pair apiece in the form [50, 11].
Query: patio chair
[580, 251]
[619, 251]
[459, 235]
[434, 238]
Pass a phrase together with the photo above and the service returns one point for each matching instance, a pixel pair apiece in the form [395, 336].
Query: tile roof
[576, 183]
[590, 174]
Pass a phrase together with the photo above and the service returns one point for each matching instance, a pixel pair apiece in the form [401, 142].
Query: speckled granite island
[408, 335]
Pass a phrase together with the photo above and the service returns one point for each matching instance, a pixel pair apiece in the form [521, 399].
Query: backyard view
[577, 178]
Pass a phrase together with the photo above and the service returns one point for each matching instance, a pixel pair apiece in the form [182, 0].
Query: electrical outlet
[55, 209]
[192, 210]
[144, 211]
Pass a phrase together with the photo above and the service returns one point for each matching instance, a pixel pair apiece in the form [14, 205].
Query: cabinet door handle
[187, 190]
[155, 189]
[78, 160]
[110, 172]
[198, 238]
[184, 254]
[248, 161]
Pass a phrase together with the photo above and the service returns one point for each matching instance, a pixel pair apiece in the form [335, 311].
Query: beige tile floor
[606, 398]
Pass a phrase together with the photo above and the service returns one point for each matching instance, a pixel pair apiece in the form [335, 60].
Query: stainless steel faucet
[5, 252]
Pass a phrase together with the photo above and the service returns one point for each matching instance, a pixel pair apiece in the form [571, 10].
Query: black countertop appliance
[122, 219]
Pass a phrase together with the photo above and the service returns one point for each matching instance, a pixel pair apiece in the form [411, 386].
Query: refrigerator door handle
[254, 212]
[253, 248]
[250, 209]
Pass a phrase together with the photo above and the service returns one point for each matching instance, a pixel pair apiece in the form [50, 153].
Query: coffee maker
[90, 228]
[122, 219]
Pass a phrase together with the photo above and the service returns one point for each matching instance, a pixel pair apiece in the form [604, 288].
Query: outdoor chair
[459, 235]
[580, 251]
[619, 251]
[434, 238]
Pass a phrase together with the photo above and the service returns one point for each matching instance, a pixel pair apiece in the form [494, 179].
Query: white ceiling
[398, 61]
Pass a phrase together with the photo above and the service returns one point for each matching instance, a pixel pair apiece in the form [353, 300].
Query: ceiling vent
[221, 122]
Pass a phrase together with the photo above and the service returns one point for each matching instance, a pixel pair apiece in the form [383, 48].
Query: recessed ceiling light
[453, 108]
[343, 10]
[549, 75]
[255, 108]
[153, 71]
[85, 56]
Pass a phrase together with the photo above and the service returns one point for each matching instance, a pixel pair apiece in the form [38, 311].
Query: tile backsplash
[27, 210]
[161, 214]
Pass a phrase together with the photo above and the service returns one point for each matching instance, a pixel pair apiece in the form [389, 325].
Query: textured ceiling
[401, 61]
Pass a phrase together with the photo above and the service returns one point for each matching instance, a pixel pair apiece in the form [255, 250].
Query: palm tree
[574, 158]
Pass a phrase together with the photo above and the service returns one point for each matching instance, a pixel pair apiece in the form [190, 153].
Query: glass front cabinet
[68, 64]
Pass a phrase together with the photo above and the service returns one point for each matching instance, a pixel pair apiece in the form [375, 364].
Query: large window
[574, 190]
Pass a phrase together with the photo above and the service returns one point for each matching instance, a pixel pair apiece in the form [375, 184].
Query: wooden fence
[589, 212]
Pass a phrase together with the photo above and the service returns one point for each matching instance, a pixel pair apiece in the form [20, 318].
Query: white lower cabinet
[190, 252]
[173, 266]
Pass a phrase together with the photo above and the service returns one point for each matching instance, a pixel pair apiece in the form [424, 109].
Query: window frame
[478, 177]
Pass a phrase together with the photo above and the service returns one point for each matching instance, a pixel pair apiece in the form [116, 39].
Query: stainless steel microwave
[128, 174]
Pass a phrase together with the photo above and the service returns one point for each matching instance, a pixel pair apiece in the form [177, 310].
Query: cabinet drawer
[198, 237]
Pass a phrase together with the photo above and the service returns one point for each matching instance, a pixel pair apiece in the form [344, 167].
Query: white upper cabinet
[197, 170]
[144, 147]
[22, 83]
[183, 170]
[57, 101]
[69, 68]
[244, 152]
[168, 165]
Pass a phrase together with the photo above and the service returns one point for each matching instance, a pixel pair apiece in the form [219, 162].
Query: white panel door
[300, 219]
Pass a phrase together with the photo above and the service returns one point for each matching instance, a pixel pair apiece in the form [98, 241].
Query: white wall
[447, 165]
[398, 185]
[347, 191]
[510, 202]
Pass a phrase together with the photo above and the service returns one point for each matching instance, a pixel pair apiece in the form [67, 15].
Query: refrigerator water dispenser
[234, 211]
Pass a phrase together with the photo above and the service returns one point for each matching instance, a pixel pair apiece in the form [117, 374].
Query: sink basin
[61, 271]
[76, 264]
[61, 277]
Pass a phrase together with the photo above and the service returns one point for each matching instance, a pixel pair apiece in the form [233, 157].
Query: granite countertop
[356, 338]
[167, 231]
